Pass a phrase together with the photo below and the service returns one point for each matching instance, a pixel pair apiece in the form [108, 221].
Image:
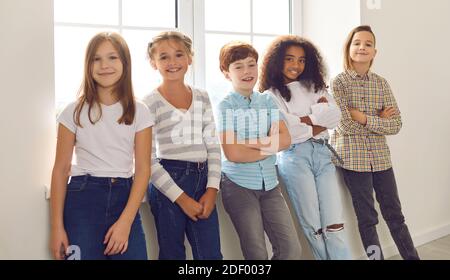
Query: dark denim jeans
[92, 206]
[361, 186]
[172, 223]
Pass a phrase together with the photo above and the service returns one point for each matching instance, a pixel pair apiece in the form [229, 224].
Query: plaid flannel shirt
[364, 148]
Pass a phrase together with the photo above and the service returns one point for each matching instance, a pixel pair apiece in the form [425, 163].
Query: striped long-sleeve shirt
[183, 135]
[364, 148]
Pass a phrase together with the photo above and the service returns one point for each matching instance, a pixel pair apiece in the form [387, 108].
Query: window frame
[190, 19]
[199, 31]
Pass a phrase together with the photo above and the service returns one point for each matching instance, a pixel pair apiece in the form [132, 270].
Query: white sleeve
[144, 118]
[66, 117]
[300, 132]
[326, 114]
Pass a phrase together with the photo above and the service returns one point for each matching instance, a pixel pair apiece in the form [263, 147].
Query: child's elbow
[143, 171]
[232, 155]
[62, 169]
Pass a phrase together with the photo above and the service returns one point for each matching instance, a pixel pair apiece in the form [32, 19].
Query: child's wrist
[212, 190]
[181, 199]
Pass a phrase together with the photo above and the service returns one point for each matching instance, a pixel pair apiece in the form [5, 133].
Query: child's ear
[227, 75]
[153, 64]
[375, 54]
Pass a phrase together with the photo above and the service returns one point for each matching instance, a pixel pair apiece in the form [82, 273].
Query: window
[254, 21]
[210, 23]
[76, 21]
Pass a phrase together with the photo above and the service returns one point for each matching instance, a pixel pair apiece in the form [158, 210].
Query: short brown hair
[234, 51]
[348, 42]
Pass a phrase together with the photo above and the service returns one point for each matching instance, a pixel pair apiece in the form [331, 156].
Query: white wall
[326, 23]
[27, 126]
[412, 40]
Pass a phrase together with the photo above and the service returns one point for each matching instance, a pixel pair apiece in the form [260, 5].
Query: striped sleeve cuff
[173, 193]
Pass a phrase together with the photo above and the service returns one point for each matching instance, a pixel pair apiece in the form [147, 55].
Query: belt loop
[201, 166]
[188, 165]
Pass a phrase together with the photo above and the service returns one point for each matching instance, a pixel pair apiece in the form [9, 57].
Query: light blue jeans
[311, 183]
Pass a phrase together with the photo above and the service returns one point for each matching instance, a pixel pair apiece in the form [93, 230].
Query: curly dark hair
[273, 63]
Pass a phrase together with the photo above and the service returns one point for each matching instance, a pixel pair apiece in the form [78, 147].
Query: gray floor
[436, 250]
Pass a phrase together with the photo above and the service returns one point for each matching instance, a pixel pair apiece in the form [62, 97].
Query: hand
[117, 238]
[318, 129]
[59, 243]
[189, 206]
[306, 120]
[358, 116]
[208, 201]
[388, 112]
[323, 99]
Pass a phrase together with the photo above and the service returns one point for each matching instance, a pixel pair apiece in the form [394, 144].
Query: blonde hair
[348, 42]
[170, 35]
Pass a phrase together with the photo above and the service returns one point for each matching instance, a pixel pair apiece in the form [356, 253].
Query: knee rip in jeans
[335, 228]
[318, 234]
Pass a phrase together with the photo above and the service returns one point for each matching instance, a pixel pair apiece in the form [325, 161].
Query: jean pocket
[228, 187]
[325, 152]
[76, 186]
[177, 174]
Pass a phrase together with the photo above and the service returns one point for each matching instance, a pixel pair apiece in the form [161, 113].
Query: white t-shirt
[106, 148]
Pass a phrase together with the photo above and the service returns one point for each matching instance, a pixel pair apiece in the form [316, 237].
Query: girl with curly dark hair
[293, 72]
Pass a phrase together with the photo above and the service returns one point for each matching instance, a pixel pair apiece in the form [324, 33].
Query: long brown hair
[348, 42]
[273, 64]
[88, 94]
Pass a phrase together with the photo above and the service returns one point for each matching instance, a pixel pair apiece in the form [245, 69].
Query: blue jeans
[310, 179]
[92, 206]
[172, 223]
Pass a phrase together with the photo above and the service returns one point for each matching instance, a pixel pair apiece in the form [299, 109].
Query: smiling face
[107, 68]
[294, 63]
[362, 49]
[171, 59]
[243, 75]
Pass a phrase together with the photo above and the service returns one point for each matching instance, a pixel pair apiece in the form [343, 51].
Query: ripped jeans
[311, 183]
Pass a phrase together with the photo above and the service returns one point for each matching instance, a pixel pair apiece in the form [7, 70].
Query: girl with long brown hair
[96, 213]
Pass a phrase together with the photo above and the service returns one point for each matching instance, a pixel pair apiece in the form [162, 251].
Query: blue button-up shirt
[249, 118]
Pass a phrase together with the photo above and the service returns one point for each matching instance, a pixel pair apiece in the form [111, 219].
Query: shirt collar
[356, 76]
[293, 85]
[240, 97]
